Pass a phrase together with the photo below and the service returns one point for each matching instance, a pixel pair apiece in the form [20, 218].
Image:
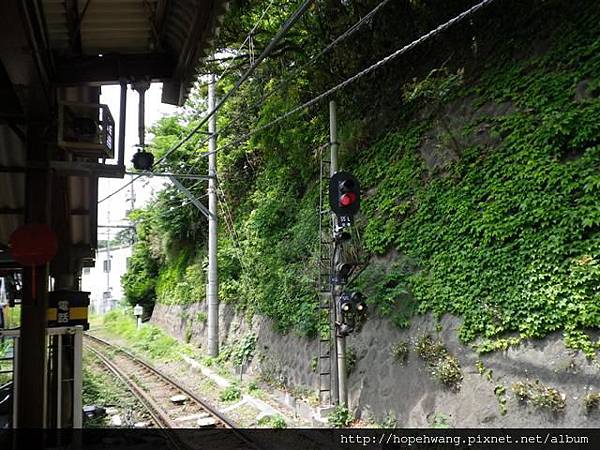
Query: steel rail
[160, 419]
[158, 416]
[226, 422]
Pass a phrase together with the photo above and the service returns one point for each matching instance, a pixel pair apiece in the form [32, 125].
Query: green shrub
[340, 417]
[275, 422]
[253, 387]
[540, 395]
[230, 393]
[444, 367]
[448, 371]
[429, 349]
[239, 352]
[521, 390]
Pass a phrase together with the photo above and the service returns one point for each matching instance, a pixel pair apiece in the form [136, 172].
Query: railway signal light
[345, 303]
[359, 303]
[344, 195]
[353, 310]
[143, 160]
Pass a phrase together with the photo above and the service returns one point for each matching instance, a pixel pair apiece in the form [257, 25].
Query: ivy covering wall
[479, 158]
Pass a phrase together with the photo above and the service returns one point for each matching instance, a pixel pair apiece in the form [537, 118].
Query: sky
[114, 209]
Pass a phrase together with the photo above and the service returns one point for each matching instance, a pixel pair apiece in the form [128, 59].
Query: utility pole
[335, 289]
[212, 285]
[107, 301]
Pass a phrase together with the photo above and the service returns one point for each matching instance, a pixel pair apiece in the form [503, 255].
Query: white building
[104, 280]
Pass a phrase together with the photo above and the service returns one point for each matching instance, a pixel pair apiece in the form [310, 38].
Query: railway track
[170, 405]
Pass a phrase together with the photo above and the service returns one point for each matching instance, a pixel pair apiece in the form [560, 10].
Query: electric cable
[298, 13]
[248, 36]
[357, 76]
[349, 32]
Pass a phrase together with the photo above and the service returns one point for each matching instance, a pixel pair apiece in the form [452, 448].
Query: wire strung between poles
[349, 32]
[266, 52]
[357, 76]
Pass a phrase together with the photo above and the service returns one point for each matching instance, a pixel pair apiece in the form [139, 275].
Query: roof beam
[113, 68]
[72, 13]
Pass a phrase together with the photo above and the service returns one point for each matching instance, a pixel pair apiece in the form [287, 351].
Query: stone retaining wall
[381, 387]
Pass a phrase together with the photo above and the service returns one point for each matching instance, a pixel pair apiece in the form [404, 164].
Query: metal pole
[15, 380]
[122, 119]
[141, 118]
[333, 138]
[339, 340]
[32, 391]
[59, 369]
[106, 301]
[212, 287]
[77, 378]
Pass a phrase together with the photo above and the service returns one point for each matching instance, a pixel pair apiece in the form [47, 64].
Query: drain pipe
[141, 87]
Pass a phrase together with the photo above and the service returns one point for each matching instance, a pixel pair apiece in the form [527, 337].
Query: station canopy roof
[104, 41]
[81, 45]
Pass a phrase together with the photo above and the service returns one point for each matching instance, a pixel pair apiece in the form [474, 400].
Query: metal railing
[56, 336]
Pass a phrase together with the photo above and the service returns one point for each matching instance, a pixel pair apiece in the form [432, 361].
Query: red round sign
[33, 244]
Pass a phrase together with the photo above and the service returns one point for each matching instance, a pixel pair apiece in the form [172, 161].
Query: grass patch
[230, 393]
[340, 417]
[149, 339]
[276, 422]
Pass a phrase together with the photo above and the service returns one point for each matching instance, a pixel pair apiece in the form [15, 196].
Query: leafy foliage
[230, 393]
[479, 171]
[340, 417]
[540, 395]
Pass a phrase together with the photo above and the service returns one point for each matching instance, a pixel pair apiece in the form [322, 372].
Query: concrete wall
[380, 386]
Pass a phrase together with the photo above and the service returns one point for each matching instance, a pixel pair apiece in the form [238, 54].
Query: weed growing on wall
[540, 395]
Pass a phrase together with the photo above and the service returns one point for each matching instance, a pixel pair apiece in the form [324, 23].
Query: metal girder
[130, 227]
[9, 102]
[203, 209]
[183, 176]
[88, 168]
[12, 169]
[73, 168]
[113, 68]
[79, 212]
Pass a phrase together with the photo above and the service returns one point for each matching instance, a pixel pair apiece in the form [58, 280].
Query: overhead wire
[248, 36]
[298, 13]
[439, 29]
[312, 60]
[349, 32]
[357, 76]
